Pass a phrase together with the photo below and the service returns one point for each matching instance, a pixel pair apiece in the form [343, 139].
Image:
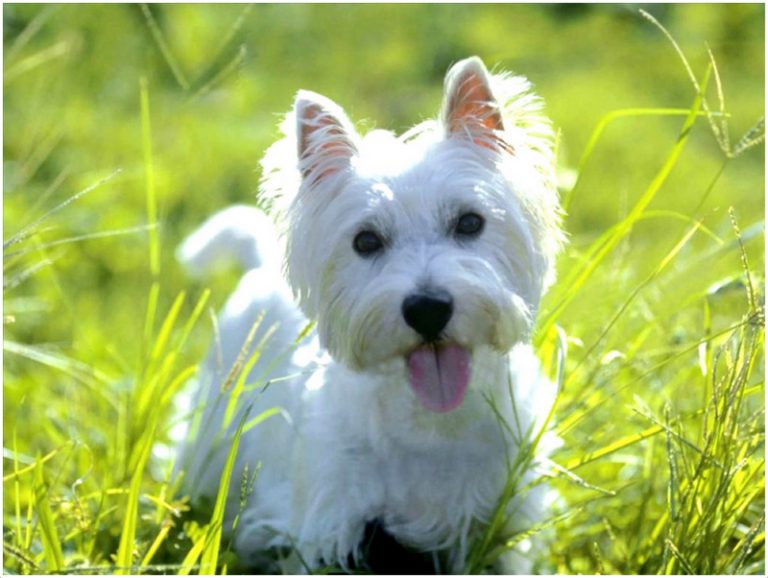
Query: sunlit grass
[656, 341]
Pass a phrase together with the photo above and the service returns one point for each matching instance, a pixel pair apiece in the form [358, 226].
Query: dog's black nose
[428, 314]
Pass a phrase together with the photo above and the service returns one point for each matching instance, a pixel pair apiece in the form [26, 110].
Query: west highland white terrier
[421, 259]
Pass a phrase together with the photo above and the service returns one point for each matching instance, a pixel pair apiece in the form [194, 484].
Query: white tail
[240, 233]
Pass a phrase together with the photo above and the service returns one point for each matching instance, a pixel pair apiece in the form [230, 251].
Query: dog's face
[425, 247]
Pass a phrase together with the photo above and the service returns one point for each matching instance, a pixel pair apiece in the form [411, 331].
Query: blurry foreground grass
[655, 330]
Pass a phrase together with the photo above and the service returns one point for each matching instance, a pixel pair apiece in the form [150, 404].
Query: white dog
[422, 259]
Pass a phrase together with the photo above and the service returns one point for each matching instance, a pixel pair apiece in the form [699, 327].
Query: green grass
[125, 126]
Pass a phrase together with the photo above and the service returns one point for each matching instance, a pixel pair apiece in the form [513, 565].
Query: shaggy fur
[364, 437]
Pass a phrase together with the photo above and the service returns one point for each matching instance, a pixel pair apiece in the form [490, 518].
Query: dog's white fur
[353, 443]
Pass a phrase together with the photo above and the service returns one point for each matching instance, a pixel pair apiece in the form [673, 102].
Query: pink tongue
[439, 376]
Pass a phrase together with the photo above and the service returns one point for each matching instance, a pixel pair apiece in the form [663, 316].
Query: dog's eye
[367, 243]
[469, 225]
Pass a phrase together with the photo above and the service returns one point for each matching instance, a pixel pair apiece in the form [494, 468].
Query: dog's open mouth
[439, 375]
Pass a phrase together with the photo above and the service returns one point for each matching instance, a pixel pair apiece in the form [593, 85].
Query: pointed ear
[325, 136]
[469, 106]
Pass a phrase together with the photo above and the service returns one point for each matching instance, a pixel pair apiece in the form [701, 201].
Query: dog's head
[426, 246]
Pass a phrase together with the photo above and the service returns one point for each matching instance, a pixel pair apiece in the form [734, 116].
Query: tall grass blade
[613, 447]
[210, 554]
[754, 306]
[17, 538]
[744, 547]
[27, 230]
[44, 56]
[21, 557]
[165, 50]
[149, 321]
[190, 560]
[29, 32]
[599, 129]
[263, 416]
[580, 276]
[167, 327]
[156, 543]
[48, 533]
[80, 371]
[15, 279]
[225, 72]
[31, 468]
[124, 557]
[227, 38]
[242, 355]
[193, 318]
[172, 389]
[244, 372]
[668, 258]
[149, 167]
[52, 188]
[753, 137]
[677, 555]
[78, 238]
[672, 487]
[678, 50]
[720, 130]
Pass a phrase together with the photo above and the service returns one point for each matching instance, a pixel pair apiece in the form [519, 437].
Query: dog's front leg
[337, 490]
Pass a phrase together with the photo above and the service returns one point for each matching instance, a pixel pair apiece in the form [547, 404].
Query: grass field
[125, 126]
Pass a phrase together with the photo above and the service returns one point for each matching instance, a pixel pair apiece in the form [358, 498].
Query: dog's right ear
[325, 136]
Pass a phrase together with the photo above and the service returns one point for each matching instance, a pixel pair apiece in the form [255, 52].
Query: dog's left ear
[469, 107]
[325, 136]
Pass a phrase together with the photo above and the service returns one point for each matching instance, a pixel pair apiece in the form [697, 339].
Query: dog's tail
[240, 233]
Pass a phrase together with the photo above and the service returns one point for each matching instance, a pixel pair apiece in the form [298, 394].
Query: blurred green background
[218, 78]
[71, 115]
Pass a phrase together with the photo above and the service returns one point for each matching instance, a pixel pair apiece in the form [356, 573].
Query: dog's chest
[424, 488]
[424, 475]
